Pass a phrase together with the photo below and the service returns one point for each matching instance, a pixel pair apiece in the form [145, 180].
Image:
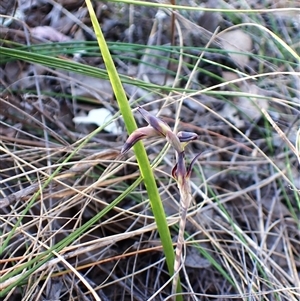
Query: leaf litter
[242, 233]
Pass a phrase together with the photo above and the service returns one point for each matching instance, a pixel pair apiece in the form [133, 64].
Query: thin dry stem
[185, 197]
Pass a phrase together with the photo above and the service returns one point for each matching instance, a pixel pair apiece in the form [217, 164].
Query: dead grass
[57, 177]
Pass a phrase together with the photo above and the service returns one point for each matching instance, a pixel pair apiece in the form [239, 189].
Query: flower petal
[180, 169]
[189, 170]
[174, 141]
[174, 172]
[136, 136]
[155, 122]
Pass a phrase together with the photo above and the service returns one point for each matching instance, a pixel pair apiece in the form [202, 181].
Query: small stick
[173, 24]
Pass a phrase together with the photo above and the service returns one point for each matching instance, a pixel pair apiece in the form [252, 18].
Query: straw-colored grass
[80, 221]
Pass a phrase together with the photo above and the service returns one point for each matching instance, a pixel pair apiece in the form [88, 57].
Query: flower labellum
[186, 136]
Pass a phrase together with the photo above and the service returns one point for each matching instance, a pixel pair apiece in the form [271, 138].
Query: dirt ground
[242, 99]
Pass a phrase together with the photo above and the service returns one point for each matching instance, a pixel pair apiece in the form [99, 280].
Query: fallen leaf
[231, 113]
[153, 67]
[237, 41]
[49, 33]
[100, 117]
[89, 86]
[252, 106]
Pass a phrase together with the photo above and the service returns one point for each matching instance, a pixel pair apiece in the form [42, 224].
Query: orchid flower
[157, 127]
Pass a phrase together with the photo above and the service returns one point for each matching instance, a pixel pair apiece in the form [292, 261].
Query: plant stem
[185, 198]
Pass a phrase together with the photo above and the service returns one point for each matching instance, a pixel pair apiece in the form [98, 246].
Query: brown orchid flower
[181, 174]
[158, 127]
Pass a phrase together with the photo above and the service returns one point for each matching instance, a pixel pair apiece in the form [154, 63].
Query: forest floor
[228, 71]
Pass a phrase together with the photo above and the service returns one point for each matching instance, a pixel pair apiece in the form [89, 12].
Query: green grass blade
[141, 155]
